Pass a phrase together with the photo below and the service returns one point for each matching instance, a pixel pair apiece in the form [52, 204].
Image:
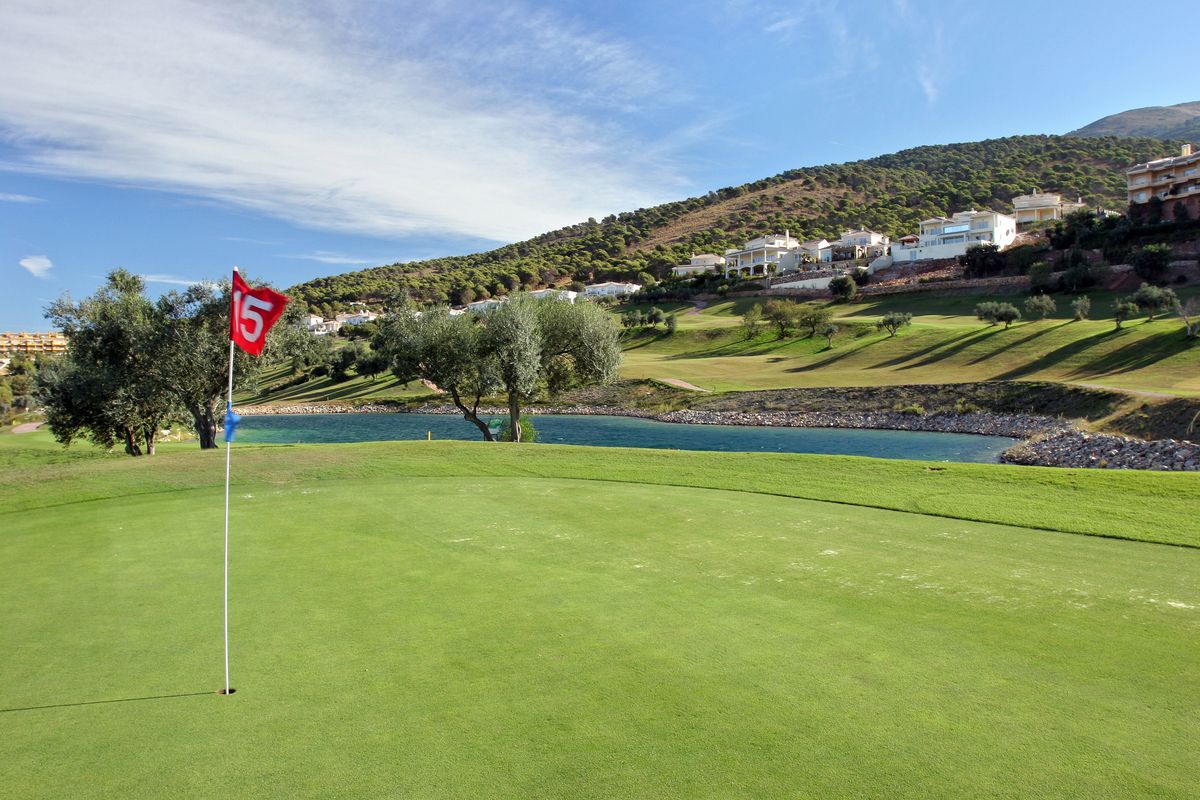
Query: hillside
[890, 193]
[1156, 122]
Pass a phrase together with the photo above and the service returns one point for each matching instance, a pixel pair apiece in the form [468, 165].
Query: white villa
[357, 317]
[948, 237]
[1043, 207]
[611, 289]
[759, 254]
[861, 243]
[484, 305]
[700, 263]
[564, 295]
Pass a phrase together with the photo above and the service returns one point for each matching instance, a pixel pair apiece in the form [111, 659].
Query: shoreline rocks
[1045, 441]
[1072, 447]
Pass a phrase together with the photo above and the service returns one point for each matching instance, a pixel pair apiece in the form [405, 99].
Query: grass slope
[945, 344]
[455, 620]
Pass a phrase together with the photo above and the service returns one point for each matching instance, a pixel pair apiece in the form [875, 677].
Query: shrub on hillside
[1042, 305]
[783, 314]
[1081, 307]
[843, 288]
[893, 321]
[1124, 310]
[1150, 262]
[987, 312]
[1153, 299]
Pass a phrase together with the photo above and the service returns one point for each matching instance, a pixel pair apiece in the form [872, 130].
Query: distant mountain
[1155, 122]
[890, 194]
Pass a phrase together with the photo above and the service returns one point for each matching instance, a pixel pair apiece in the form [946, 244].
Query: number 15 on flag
[253, 313]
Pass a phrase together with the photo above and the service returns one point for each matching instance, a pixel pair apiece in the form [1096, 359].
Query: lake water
[632, 432]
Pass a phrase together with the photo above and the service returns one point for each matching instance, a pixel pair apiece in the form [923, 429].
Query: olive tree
[109, 387]
[1042, 304]
[893, 321]
[443, 350]
[550, 344]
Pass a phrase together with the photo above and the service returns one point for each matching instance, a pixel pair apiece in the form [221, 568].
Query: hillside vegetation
[891, 193]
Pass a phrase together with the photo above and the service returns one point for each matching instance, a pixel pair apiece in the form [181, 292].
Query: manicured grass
[1144, 356]
[324, 388]
[471, 620]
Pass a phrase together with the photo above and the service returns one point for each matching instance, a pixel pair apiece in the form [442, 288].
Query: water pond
[632, 432]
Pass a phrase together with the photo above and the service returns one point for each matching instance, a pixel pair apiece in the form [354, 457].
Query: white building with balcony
[860, 243]
[759, 255]
[700, 264]
[949, 237]
[1043, 207]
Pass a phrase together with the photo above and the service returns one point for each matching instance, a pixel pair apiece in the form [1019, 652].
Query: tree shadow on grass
[1137, 354]
[960, 341]
[1067, 351]
[103, 702]
[1017, 342]
[833, 358]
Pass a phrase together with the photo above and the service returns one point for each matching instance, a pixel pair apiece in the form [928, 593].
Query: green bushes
[893, 321]
[1080, 308]
[995, 313]
[843, 288]
[1041, 305]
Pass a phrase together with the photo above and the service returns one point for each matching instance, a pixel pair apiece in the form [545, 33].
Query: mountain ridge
[1180, 121]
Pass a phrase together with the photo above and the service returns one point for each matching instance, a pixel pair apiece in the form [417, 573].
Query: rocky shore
[1046, 441]
[1071, 447]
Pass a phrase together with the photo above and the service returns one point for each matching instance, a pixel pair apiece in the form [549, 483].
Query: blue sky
[295, 140]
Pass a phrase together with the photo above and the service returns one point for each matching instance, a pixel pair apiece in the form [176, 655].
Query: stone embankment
[1017, 426]
[1071, 447]
[1047, 441]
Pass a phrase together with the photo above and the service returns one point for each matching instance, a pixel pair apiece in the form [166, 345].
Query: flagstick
[228, 450]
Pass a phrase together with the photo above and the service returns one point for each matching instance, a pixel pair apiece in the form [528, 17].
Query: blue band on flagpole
[231, 421]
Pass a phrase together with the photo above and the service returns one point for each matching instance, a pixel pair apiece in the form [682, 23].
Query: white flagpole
[228, 450]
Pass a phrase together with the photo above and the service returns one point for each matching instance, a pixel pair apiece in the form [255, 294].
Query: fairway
[502, 633]
[945, 344]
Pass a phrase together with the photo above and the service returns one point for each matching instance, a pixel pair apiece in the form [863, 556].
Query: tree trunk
[131, 445]
[205, 423]
[150, 432]
[470, 415]
[514, 416]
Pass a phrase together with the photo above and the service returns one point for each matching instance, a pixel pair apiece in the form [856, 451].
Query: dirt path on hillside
[27, 427]
[691, 387]
[699, 304]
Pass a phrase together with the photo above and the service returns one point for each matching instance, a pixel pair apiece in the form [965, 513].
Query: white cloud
[326, 257]
[928, 84]
[377, 118]
[172, 280]
[19, 198]
[38, 266]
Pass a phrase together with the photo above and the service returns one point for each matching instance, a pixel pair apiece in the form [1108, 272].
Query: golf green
[518, 636]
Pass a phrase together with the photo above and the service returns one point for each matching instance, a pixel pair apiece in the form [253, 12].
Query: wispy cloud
[928, 84]
[368, 117]
[326, 257]
[19, 198]
[244, 240]
[172, 280]
[37, 266]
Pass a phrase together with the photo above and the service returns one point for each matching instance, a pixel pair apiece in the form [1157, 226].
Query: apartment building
[33, 343]
[1174, 181]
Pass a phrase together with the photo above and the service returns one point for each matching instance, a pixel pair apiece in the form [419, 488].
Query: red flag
[253, 313]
